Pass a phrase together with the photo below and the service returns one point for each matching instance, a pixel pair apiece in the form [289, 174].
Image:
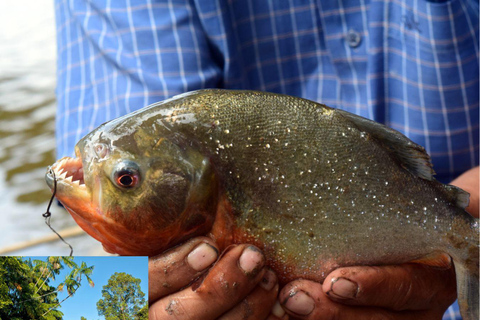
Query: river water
[27, 136]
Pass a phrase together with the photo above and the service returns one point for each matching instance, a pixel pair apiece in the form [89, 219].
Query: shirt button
[353, 38]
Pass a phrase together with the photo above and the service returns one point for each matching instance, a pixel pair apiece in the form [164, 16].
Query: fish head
[135, 192]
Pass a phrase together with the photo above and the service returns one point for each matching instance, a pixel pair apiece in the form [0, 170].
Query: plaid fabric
[411, 64]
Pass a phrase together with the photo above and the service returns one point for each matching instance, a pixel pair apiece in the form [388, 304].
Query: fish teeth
[62, 162]
[63, 171]
[77, 183]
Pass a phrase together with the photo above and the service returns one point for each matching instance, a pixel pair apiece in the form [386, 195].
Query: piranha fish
[314, 187]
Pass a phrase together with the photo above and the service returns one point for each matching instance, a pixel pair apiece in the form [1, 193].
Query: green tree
[123, 298]
[83, 318]
[143, 313]
[25, 292]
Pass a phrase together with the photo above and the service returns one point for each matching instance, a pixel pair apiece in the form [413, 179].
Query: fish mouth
[66, 171]
[66, 180]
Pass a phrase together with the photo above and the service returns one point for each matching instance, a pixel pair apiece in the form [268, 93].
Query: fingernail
[300, 303]
[277, 310]
[269, 280]
[251, 260]
[343, 288]
[202, 256]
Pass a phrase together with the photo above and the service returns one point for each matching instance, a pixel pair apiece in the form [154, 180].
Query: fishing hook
[47, 215]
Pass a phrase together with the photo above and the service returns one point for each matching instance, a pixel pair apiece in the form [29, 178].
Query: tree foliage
[143, 313]
[24, 293]
[123, 298]
[25, 290]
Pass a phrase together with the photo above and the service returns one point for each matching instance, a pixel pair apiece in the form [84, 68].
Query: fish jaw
[65, 178]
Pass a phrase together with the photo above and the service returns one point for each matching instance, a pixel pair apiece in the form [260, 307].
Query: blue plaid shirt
[411, 64]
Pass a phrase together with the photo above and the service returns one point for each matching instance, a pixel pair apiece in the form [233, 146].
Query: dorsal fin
[458, 196]
[410, 155]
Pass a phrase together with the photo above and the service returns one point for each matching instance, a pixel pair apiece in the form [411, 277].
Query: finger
[259, 303]
[408, 286]
[278, 312]
[303, 299]
[227, 283]
[175, 269]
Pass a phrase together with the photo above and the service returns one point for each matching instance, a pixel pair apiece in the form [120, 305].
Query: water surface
[27, 137]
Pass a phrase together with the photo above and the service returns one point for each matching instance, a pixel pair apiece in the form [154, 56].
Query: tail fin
[465, 254]
[467, 290]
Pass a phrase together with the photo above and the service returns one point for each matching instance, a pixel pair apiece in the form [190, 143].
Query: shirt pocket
[440, 27]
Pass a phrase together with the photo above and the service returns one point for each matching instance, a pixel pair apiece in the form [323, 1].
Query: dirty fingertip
[202, 256]
[252, 260]
[269, 280]
[300, 303]
[343, 288]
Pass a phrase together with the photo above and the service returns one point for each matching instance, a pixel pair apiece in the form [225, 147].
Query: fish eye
[126, 174]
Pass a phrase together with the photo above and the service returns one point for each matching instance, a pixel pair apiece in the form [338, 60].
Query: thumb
[408, 286]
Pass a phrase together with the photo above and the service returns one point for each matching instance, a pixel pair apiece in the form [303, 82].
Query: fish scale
[314, 187]
[300, 173]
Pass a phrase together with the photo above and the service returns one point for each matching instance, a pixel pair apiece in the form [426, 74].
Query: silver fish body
[316, 188]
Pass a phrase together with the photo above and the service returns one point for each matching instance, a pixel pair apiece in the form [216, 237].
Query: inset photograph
[81, 288]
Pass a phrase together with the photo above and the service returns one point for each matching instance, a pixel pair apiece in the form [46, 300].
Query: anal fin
[437, 259]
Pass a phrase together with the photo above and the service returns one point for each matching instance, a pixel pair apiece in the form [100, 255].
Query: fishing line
[48, 214]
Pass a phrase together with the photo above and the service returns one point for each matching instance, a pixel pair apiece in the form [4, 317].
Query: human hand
[407, 291]
[237, 286]
[469, 181]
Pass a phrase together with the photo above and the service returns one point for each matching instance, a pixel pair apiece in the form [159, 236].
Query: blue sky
[83, 303]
